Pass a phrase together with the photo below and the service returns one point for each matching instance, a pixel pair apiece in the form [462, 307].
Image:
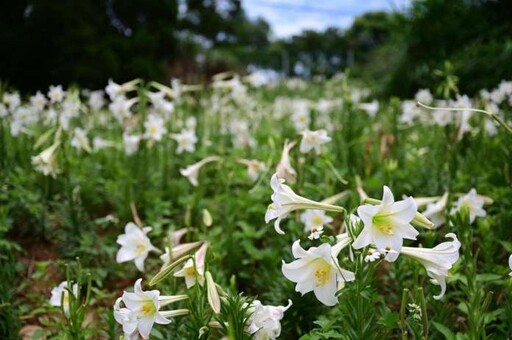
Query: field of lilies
[255, 207]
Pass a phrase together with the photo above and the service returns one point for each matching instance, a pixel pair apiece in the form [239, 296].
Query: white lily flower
[60, 295]
[370, 108]
[56, 94]
[254, 168]
[265, 321]
[131, 143]
[80, 140]
[437, 261]
[435, 212]
[135, 245]
[192, 171]
[144, 307]
[127, 319]
[314, 218]
[313, 140]
[285, 200]
[316, 232]
[46, 161]
[186, 140]
[388, 223]
[193, 270]
[316, 270]
[473, 203]
[155, 128]
[284, 168]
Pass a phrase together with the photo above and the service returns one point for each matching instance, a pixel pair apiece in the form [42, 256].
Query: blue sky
[288, 17]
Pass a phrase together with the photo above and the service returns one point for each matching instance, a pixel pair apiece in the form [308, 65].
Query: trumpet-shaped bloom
[60, 296]
[143, 307]
[46, 161]
[437, 261]
[317, 270]
[370, 108]
[192, 171]
[80, 140]
[193, 270]
[387, 224]
[265, 321]
[313, 140]
[284, 168]
[284, 201]
[436, 211]
[473, 203]
[135, 245]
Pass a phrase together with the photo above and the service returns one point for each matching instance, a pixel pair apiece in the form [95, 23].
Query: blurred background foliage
[88, 41]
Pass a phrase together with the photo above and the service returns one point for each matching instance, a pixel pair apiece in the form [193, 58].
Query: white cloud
[288, 17]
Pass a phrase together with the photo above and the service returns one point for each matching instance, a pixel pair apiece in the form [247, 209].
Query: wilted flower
[192, 171]
[285, 200]
[60, 296]
[473, 203]
[186, 140]
[387, 224]
[265, 321]
[135, 245]
[313, 140]
[437, 261]
[317, 270]
[284, 168]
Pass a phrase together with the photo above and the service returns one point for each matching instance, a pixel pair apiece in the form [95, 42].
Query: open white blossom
[46, 161]
[285, 200]
[388, 223]
[473, 203]
[56, 94]
[186, 140]
[135, 245]
[372, 255]
[316, 232]
[437, 261]
[143, 311]
[317, 270]
[193, 270]
[313, 140]
[60, 296]
[314, 218]
[265, 321]
[155, 128]
[192, 171]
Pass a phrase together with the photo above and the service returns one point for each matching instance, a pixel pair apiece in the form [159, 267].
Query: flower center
[317, 220]
[190, 271]
[383, 223]
[148, 308]
[140, 248]
[153, 130]
[322, 273]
